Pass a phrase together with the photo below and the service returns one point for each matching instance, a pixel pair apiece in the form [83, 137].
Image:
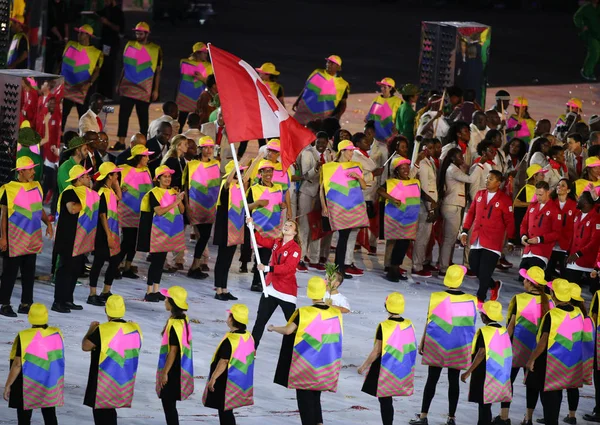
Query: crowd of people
[492, 180]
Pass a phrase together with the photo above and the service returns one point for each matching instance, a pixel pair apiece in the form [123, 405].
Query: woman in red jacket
[282, 288]
[564, 198]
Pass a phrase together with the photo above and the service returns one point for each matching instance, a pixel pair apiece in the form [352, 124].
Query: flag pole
[250, 225]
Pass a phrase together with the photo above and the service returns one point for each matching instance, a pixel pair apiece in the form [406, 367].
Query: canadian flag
[251, 110]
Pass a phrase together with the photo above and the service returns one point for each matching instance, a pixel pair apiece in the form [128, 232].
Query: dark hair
[502, 93]
[455, 128]
[393, 147]
[497, 174]
[176, 311]
[542, 185]
[491, 134]
[407, 97]
[168, 107]
[330, 126]
[580, 305]
[586, 197]
[322, 135]
[193, 120]
[135, 160]
[575, 136]
[95, 97]
[357, 137]
[570, 185]
[163, 125]
[239, 326]
[454, 91]
[536, 147]
[315, 126]
[370, 124]
[593, 138]
[337, 138]
[522, 148]
[441, 183]
[68, 136]
[483, 146]
[210, 81]
[594, 151]
[469, 95]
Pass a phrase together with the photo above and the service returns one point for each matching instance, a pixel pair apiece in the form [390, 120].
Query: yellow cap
[493, 310]
[86, 29]
[239, 313]
[534, 274]
[534, 169]
[25, 124]
[316, 288]
[38, 314]
[230, 166]
[178, 295]
[387, 81]
[139, 150]
[394, 303]
[265, 163]
[18, 19]
[576, 292]
[105, 169]
[520, 101]
[199, 47]
[206, 141]
[268, 68]
[398, 161]
[592, 161]
[76, 172]
[346, 145]
[24, 163]
[561, 289]
[335, 59]
[115, 307]
[274, 145]
[455, 275]
[575, 103]
[142, 26]
[163, 169]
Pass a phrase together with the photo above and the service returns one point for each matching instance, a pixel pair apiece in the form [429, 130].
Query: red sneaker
[422, 273]
[353, 270]
[470, 274]
[301, 268]
[495, 292]
[316, 266]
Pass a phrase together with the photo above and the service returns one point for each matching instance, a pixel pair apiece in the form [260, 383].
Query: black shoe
[221, 297]
[7, 311]
[402, 277]
[499, 421]
[244, 268]
[392, 277]
[256, 288]
[450, 421]
[230, 296]
[24, 308]
[60, 308]
[540, 421]
[418, 421]
[594, 417]
[118, 275]
[569, 420]
[96, 300]
[160, 296]
[526, 422]
[129, 274]
[347, 276]
[151, 298]
[148, 258]
[204, 268]
[254, 269]
[104, 296]
[196, 274]
[73, 306]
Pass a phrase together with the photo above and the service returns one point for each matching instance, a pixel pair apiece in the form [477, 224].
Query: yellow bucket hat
[398, 161]
[274, 145]
[38, 314]
[520, 102]
[19, 19]
[534, 169]
[346, 145]
[199, 47]
[265, 163]
[394, 303]
[576, 292]
[575, 103]
[592, 161]
[239, 313]
[493, 310]
[142, 26]
[139, 150]
[335, 59]
[76, 172]
[206, 141]
[105, 169]
[454, 276]
[268, 68]
[316, 288]
[115, 307]
[561, 289]
[534, 274]
[86, 29]
[178, 295]
[163, 169]
[230, 166]
[387, 81]
[24, 163]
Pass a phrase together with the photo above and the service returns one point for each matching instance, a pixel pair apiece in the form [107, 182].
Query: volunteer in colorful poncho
[571, 116]
[115, 348]
[447, 340]
[324, 94]
[21, 235]
[269, 74]
[75, 235]
[161, 228]
[175, 373]
[491, 363]
[401, 215]
[384, 109]
[311, 352]
[201, 180]
[590, 177]
[229, 229]
[342, 198]
[18, 52]
[231, 379]
[193, 72]
[108, 241]
[37, 369]
[557, 361]
[525, 312]
[595, 415]
[520, 124]
[136, 181]
[391, 364]
[81, 64]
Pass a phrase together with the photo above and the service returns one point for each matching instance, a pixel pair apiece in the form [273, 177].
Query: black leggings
[485, 414]
[129, 243]
[182, 119]
[433, 376]
[531, 395]
[513, 375]
[225, 256]
[573, 399]
[265, 257]
[204, 231]
[266, 308]
[11, 267]
[170, 408]
[309, 405]
[557, 261]
[111, 271]
[245, 248]
[49, 414]
[68, 105]
[551, 401]
[596, 386]
[399, 251]
[126, 107]
[340, 249]
[105, 416]
[226, 417]
[157, 264]
[68, 270]
[386, 406]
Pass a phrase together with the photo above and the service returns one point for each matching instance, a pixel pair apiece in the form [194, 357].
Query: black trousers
[204, 231]
[551, 401]
[528, 262]
[309, 405]
[245, 248]
[556, 262]
[128, 244]
[482, 263]
[182, 119]
[266, 308]
[68, 270]
[265, 257]
[225, 256]
[573, 399]
[340, 249]
[105, 416]
[596, 387]
[48, 413]
[111, 271]
[106, 79]
[126, 107]
[157, 264]
[433, 376]
[485, 413]
[399, 251]
[226, 417]
[49, 184]
[513, 375]
[10, 270]
[170, 409]
[386, 406]
[69, 104]
[578, 276]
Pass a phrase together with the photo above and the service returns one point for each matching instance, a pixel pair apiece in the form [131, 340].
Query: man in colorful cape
[194, 71]
[18, 53]
[115, 347]
[37, 369]
[140, 79]
[21, 235]
[80, 68]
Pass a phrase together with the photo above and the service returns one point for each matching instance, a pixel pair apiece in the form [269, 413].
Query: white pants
[452, 215]
[310, 248]
[423, 235]
[350, 247]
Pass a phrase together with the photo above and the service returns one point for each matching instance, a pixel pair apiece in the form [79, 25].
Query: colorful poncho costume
[267, 220]
[383, 112]
[344, 196]
[166, 231]
[184, 335]
[203, 181]
[78, 65]
[140, 64]
[190, 86]
[400, 222]
[321, 96]
[112, 216]
[235, 214]
[136, 182]
[87, 221]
